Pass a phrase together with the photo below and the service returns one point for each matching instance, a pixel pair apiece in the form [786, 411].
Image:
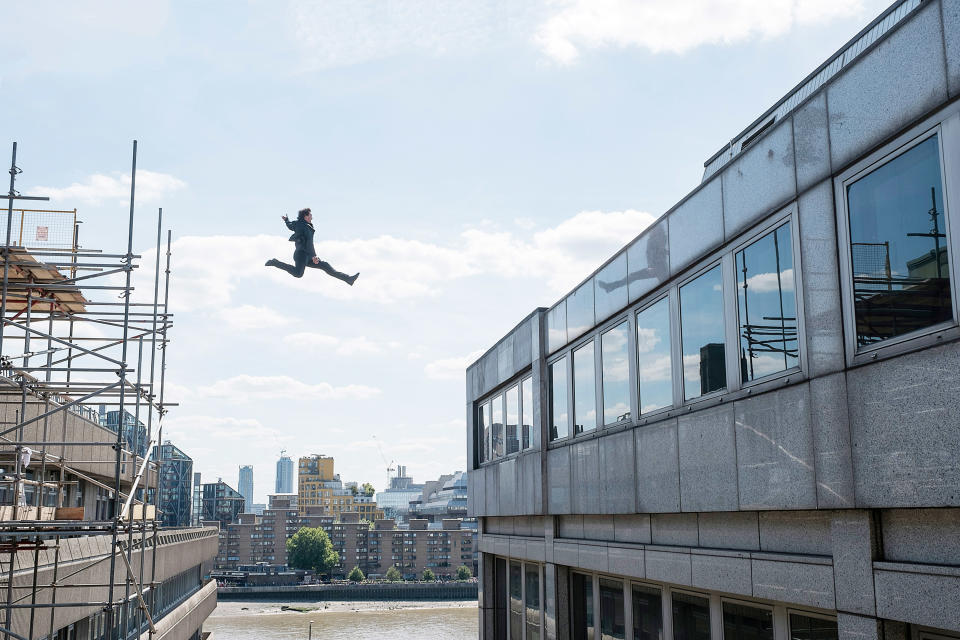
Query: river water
[345, 620]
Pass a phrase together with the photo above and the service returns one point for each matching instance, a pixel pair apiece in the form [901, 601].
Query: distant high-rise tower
[246, 486]
[284, 473]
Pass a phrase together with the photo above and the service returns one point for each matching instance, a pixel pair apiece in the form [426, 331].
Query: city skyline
[530, 128]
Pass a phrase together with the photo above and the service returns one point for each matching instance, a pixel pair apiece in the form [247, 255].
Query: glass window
[616, 374]
[654, 363]
[612, 620]
[766, 306]
[496, 423]
[581, 607]
[559, 413]
[701, 334]
[810, 628]
[532, 595]
[647, 613]
[483, 432]
[513, 420]
[516, 601]
[741, 622]
[691, 617]
[898, 246]
[584, 390]
[526, 392]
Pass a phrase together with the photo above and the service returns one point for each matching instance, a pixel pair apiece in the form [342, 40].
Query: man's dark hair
[303, 213]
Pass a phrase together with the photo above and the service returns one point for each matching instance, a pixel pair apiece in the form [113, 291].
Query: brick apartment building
[373, 547]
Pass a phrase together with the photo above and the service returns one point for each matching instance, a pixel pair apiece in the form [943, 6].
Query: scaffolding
[72, 341]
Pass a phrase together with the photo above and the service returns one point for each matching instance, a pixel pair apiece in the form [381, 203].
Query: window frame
[715, 260]
[784, 217]
[607, 327]
[671, 295]
[565, 353]
[592, 338]
[501, 391]
[754, 605]
[945, 125]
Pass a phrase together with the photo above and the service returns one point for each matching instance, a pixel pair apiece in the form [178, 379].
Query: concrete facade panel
[523, 345]
[761, 178]
[811, 142]
[795, 582]
[627, 562]
[507, 486]
[558, 480]
[903, 417]
[632, 528]
[658, 470]
[570, 526]
[566, 553]
[696, 226]
[802, 532]
[598, 528]
[594, 558]
[854, 627]
[491, 478]
[722, 573]
[775, 451]
[580, 310]
[505, 366]
[833, 458]
[674, 529]
[585, 477]
[823, 323]
[733, 530]
[951, 34]
[919, 598]
[886, 89]
[666, 566]
[853, 538]
[648, 261]
[708, 460]
[927, 536]
[530, 500]
[491, 373]
[476, 497]
[618, 474]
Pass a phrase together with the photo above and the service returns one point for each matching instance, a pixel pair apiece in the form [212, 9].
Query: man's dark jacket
[302, 236]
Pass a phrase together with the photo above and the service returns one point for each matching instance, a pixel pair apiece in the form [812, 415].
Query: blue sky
[472, 159]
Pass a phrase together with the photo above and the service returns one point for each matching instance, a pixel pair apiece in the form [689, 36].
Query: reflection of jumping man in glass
[304, 254]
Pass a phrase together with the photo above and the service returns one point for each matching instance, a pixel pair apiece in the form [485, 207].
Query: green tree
[353, 490]
[428, 576]
[393, 575]
[310, 548]
[368, 489]
[463, 572]
[356, 575]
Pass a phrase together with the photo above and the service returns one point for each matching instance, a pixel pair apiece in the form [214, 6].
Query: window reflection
[766, 306]
[612, 618]
[516, 602]
[513, 419]
[581, 607]
[584, 390]
[483, 429]
[701, 334]
[741, 622]
[810, 628]
[654, 363]
[527, 403]
[496, 438]
[616, 374]
[898, 246]
[557, 327]
[559, 413]
[532, 597]
[691, 617]
[647, 613]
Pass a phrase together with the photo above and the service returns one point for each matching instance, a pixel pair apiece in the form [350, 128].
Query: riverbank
[273, 607]
[372, 591]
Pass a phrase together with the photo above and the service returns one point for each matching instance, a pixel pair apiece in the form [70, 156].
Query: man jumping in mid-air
[304, 254]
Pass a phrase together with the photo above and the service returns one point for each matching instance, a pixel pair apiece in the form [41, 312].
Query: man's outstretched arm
[290, 225]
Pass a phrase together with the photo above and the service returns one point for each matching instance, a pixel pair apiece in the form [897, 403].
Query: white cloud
[391, 268]
[246, 388]
[676, 26]
[359, 345]
[451, 368]
[151, 186]
[767, 282]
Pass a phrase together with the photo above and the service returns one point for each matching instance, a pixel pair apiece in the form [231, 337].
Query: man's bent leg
[325, 266]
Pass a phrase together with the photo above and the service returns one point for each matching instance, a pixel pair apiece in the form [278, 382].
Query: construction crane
[389, 465]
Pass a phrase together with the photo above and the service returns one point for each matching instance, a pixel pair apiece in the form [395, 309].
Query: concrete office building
[284, 479]
[245, 485]
[746, 423]
[175, 498]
